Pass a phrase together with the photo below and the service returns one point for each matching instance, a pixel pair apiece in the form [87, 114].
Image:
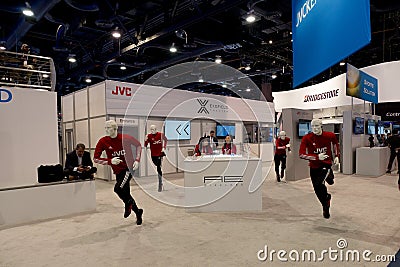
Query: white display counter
[372, 161]
[27, 204]
[223, 183]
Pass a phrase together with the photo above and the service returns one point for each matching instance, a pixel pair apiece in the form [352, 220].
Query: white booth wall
[28, 135]
[85, 112]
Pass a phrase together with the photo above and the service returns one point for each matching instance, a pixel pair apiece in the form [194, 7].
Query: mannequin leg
[277, 163]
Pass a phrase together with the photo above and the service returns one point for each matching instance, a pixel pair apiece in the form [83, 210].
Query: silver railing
[25, 70]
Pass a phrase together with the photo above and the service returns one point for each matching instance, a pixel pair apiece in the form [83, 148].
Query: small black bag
[50, 173]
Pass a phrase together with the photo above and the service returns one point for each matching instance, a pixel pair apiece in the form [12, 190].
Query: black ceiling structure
[199, 29]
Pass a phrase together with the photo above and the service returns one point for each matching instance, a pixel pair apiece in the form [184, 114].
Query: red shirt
[207, 150]
[156, 143]
[114, 147]
[280, 145]
[312, 145]
[229, 149]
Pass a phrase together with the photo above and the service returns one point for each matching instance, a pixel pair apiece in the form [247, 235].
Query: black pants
[123, 190]
[157, 161]
[317, 179]
[393, 155]
[278, 160]
[81, 175]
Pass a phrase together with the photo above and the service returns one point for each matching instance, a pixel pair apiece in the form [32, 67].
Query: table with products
[223, 183]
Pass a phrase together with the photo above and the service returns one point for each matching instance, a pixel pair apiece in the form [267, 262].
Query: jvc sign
[5, 95]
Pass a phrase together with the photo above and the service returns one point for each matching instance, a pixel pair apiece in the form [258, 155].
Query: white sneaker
[283, 181]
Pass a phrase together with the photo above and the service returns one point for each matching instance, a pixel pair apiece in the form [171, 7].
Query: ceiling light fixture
[342, 63]
[27, 10]
[71, 58]
[116, 33]
[270, 41]
[247, 67]
[45, 75]
[173, 49]
[122, 67]
[250, 17]
[273, 76]
[88, 80]
[248, 90]
[218, 60]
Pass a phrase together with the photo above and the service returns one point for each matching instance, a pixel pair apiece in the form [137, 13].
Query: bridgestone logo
[321, 96]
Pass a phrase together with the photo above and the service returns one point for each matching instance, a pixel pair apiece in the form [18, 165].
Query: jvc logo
[320, 150]
[122, 91]
[5, 96]
[203, 108]
[119, 153]
[157, 142]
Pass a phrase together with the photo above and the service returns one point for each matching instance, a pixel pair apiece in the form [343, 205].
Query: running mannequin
[281, 144]
[317, 148]
[119, 159]
[158, 143]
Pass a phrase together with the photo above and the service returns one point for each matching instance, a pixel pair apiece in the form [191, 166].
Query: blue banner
[325, 32]
[361, 85]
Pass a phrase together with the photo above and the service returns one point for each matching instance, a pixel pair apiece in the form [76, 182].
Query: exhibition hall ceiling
[198, 29]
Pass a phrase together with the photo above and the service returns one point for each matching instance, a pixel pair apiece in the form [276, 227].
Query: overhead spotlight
[88, 80]
[291, 33]
[71, 58]
[3, 46]
[239, 90]
[270, 41]
[273, 76]
[27, 10]
[122, 67]
[116, 33]
[250, 17]
[45, 75]
[201, 80]
[247, 67]
[218, 60]
[224, 85]
[342, 63]
[173, 49]
[248, 90]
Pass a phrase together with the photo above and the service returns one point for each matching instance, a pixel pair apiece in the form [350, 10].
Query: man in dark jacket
[394, 143]
[79, 165]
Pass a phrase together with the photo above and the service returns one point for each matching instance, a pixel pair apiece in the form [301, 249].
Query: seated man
[228, 148]
[79, 165]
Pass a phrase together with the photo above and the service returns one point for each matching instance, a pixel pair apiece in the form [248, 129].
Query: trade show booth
[135, 107]
[340, 114]
[29, 138]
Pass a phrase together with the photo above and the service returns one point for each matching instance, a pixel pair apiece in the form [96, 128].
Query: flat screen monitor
[177, 130]
[225, 129]
[380, 128]
[304, 127]
[371, 127]
[358, 125]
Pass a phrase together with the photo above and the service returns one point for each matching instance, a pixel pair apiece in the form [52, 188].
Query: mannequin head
[153, 129]
[316, 126]
[282, 135]
[111, 128]
[228, 139]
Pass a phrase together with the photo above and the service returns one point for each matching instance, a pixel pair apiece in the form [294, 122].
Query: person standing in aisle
[316, 147]
[281, 145]
[158, 143]
[123, 163]
[393, 142]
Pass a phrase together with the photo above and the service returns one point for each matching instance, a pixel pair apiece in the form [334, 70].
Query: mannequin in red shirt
[317, 148]
[123, 163]
[158, 143]
[281, 145]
